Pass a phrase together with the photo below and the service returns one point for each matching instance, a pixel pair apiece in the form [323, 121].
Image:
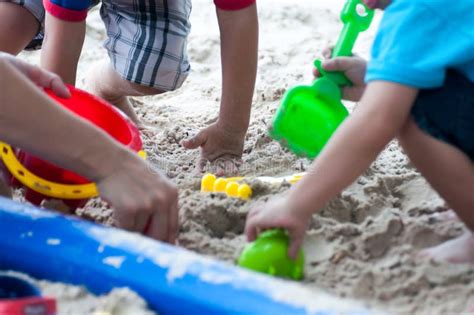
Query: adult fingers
[159, 210]
[173, 220]
[43, 78]
[159, 226]
[124, 219]
[142, 221]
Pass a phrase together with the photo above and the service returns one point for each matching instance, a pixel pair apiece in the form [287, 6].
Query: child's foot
[457, 251]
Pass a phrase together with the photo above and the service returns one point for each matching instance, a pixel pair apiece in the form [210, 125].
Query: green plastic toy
[269, 254]
[309, 115]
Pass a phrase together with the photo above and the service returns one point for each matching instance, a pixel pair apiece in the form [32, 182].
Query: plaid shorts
[35, 7]
[146, 39]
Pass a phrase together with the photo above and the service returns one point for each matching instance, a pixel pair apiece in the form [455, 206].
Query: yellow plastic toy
[43, 186]
[234, 187]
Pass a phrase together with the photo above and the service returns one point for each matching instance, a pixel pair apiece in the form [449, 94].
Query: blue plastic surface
[172, 280]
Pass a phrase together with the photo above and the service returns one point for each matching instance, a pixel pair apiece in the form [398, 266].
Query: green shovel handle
[357, 18]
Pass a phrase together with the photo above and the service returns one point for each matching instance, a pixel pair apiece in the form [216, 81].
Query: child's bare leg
[17, 27]
[451, 173]
[106, 83]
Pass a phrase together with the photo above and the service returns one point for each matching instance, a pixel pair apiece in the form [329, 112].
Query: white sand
[363, 244]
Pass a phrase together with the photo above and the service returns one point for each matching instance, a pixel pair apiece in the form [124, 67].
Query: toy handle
[357, 18]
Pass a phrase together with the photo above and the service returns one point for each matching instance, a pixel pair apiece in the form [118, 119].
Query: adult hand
[40, 77]
[143, 199]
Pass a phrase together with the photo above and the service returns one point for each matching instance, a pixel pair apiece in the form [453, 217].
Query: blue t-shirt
[419, 40]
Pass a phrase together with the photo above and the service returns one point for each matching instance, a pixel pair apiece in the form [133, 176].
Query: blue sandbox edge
[172, 280]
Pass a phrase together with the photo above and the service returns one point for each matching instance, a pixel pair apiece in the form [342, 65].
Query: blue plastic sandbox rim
[172, 280]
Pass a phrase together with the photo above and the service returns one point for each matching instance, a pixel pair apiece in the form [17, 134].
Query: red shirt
[233, 4]
[76, 10]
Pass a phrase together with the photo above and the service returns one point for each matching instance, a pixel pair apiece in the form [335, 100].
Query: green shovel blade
[309, 115]
[269, 254]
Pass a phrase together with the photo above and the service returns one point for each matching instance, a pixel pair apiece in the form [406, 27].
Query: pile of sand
[363, 244]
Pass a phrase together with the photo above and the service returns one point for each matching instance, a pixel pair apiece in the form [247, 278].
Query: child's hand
[278, 213]
[377, 4]
[143, 200]
[40, 77]
[218, 144]
[353, 67]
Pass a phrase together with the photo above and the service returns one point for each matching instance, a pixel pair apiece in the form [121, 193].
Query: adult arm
[32, 121]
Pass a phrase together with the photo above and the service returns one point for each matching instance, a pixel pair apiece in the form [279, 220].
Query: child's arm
[239, 45]
[65, 30]
[383, 111]
[32, 121]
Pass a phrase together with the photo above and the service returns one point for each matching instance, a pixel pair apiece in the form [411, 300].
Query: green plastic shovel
[269, 254]
[309, 115]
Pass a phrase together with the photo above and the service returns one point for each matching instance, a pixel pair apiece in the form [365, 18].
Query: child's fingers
[371, 3]
[228, 165]
[201, 164]
[251, 228]
[296, 239]
[327, 52]
[339, 64]
[316, 73]
[196, 141]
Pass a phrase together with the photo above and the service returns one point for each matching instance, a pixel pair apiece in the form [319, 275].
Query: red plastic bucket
[98, 112]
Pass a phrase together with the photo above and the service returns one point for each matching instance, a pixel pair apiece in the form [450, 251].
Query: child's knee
[140, 89]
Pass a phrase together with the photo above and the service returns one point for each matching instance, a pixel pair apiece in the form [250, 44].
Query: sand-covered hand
[218, 145]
